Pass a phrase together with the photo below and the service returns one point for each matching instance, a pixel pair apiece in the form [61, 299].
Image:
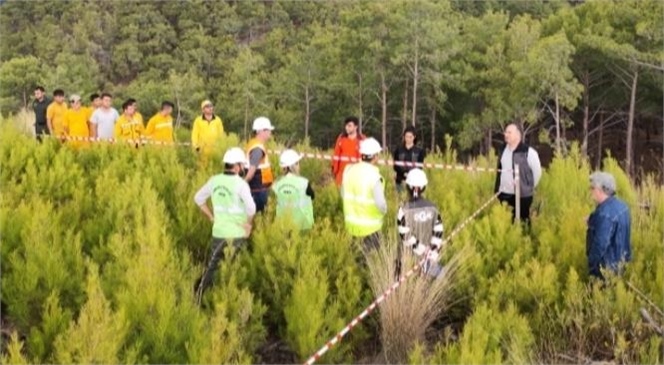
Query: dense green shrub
[103, 246]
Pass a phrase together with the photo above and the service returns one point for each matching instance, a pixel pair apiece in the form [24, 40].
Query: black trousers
[218, 245]
[40, 130]
[526, 202]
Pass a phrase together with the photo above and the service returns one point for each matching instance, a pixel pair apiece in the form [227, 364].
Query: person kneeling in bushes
[234, 210]
[294, 192]
[419, 224]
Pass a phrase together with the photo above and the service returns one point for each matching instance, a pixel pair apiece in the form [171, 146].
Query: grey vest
[421, 216]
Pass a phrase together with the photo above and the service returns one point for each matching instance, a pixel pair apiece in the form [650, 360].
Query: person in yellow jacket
[130, 124]
[76, 122]
[259, 175]
[160, 126]
[95, 103]
[55, 113]
[363, 193]
[208, 129]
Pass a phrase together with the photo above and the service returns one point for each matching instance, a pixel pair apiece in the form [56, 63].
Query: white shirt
[105, 122]
[507, 174]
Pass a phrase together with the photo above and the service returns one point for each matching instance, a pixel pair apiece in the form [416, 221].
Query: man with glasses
[609, 228]
[208, 129]
[75, 122]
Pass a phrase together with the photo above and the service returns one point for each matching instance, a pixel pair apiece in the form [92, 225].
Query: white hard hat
[416, 178]
[370, 147]
[235, 155]
[262, 123]
[289, 158]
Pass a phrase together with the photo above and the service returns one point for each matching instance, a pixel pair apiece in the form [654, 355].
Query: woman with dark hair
[409, 153]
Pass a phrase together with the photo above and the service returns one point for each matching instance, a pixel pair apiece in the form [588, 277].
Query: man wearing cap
[56, 112]
[208, 129]
[233, 211]
[609, 228]
[346, 148]
[75, 122]
[294, 193]
[363, 193]
[259, 176]
[516, 153]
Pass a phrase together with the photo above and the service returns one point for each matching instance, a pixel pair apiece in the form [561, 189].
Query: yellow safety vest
[263, 177]
[361, 214]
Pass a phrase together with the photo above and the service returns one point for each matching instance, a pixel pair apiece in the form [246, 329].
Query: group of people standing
[420, 227]
[100, 120]
[243, 188]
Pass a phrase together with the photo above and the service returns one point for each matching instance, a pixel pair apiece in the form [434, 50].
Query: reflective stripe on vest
[229, 213]
[292, 199]
[264, 165]
[361, 215]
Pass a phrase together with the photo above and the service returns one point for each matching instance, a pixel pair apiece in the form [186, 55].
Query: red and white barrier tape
[440, 166]
[334, 340]
[142, 141]
[318, 156]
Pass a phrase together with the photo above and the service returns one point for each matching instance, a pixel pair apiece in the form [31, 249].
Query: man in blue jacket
[608, 235]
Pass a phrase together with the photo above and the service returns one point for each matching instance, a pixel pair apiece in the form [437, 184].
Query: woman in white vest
[233, 207]
[294, 193]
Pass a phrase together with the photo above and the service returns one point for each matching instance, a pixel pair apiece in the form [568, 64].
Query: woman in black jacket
[407, 152]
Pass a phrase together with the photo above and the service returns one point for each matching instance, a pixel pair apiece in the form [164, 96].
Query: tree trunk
[629, 157]
[489, 132]
[416, 76]
[178, 120]
[307, 111]
[433, 129]
[246, 116]
[557, 116]
[404, 115]
[600, 141]
[586, 114]
[359, 98]
[383, 102]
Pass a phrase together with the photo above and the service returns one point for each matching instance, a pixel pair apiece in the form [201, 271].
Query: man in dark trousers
[39, 105]
[516, 153]
[609, 228]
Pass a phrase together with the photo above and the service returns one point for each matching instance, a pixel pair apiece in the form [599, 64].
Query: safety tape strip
[334, 340]
[317, 156]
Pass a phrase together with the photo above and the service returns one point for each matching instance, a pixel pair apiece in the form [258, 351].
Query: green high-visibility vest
[230, 215]
[292, 200]
[361, 215]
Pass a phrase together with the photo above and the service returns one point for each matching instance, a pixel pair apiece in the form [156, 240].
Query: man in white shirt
[516, 153]
[103, 118]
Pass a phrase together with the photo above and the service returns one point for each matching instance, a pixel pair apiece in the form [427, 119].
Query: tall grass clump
[410, 311]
